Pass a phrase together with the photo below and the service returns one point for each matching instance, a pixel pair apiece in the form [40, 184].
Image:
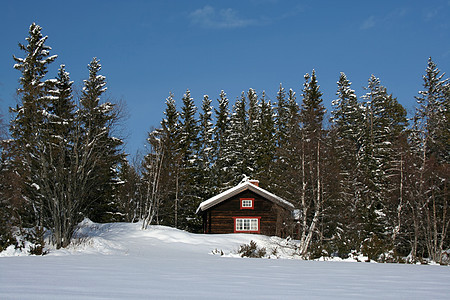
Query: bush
[217, 251]
[6, 238]
[36, 238]
[373, 247]
[251, 250]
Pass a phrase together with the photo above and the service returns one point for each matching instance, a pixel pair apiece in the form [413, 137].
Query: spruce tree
[266, 143]
[170, 126]
[281, 117]
[384, 121]
[97, 119]
[281, 122]
[287, 165]
[62, 202]
[346, 113]
[312, 111]
[430, 145]
[221, 131]
[189, 188]
[33, 90]
[252, 149]
[11, 199]
[430, 120]
[311, 196]
[188, 128]
[206, 151]
[128, 196]
[61, 105]
[347, 123]
[236, 144]
[30, 119]
[372, 168]
[171, 164]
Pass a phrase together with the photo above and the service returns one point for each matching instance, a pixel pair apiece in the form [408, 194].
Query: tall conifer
[221, 132]
[30, 115]
[97, 119]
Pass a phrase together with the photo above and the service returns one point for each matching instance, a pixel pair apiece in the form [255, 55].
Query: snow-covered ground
[121, 261]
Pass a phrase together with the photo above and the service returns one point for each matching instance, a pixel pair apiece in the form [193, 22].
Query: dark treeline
[372, 182]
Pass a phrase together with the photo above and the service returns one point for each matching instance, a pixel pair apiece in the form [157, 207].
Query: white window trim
[247, 224]
[250, 203]
[247, 203]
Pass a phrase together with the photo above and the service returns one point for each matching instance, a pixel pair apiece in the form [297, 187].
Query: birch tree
[153, 164]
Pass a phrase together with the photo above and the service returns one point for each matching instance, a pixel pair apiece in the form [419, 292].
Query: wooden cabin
[246, 208]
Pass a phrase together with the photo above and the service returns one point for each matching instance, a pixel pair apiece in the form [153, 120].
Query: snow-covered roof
[247, 185]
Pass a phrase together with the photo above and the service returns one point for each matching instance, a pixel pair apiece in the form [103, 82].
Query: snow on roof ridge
[218, 196]
[237, 189]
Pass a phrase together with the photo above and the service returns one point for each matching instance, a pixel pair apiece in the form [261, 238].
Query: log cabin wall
[219, 218]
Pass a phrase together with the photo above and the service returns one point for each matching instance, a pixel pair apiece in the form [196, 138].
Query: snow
[244, 185]
[121, 261]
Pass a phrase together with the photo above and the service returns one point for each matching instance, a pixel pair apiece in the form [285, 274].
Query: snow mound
[126, 238]
[130, 238]
[12, 251]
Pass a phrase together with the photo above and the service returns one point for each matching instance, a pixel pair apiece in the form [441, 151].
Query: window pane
[239, 224]
[254, 225]
[246, 203]
[247, 224]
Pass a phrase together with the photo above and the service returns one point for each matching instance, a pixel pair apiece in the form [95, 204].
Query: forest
[367, 180]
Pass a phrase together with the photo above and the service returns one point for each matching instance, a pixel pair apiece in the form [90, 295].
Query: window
[246, 224]
[247, 203]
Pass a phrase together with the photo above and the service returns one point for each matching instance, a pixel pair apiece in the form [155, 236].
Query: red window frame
[248, 207]
[247, 231]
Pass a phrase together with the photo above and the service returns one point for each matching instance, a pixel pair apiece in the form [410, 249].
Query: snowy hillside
[121, 261]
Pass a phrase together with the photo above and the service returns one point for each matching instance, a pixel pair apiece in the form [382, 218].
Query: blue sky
[149, 48]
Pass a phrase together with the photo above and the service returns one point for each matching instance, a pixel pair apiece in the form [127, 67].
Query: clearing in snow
[121, 261]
